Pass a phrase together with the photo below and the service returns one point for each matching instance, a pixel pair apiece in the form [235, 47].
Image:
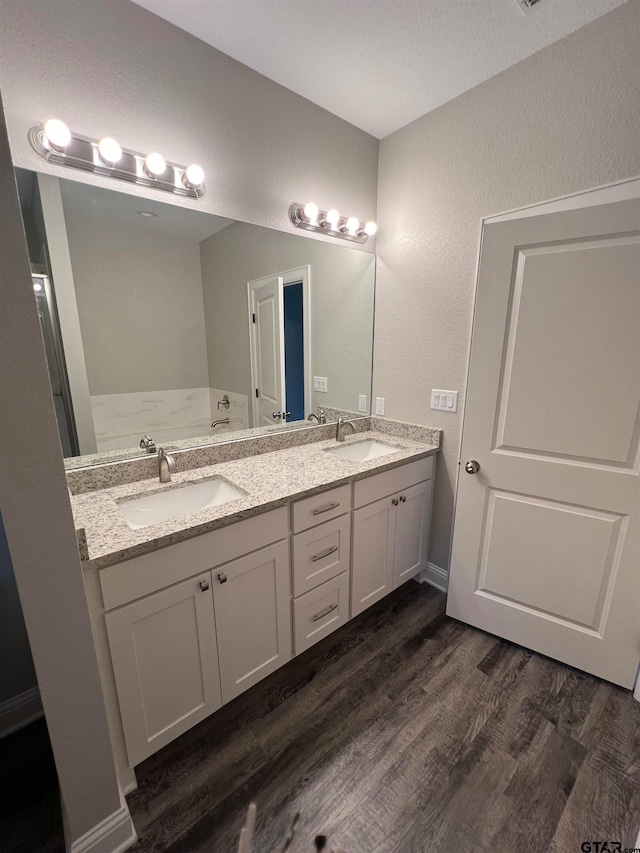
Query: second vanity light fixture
[311, 218]
[57, 144]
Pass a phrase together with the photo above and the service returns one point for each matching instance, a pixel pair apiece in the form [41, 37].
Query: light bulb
[193, 176]
[57, 134]
[155, 165]
[333, 219]
[352, 225]
[37, 286]
[110, 151]
[311, 212]
[370, 229]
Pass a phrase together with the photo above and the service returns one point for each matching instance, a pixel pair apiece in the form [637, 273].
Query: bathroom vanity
[189, 612]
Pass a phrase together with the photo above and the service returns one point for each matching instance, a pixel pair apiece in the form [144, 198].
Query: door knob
[472, 467]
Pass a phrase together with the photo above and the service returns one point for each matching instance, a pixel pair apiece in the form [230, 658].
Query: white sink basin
[174, 503]
[363, 451]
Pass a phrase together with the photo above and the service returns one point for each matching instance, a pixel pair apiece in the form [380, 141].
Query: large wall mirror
[169, 326]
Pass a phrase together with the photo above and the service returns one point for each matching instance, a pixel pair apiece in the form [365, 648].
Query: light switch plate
[320, 383]
[362, 402]
[444, 401]
[379, 405]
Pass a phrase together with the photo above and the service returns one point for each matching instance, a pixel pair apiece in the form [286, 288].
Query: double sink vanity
[201, 587]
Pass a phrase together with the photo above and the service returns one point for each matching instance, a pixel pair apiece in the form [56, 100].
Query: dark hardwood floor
[404, 731]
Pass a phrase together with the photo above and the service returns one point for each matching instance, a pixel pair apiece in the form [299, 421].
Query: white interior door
[545, 549]
[267, 345]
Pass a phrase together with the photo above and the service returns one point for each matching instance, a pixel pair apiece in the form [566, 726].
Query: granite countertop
[269, 480]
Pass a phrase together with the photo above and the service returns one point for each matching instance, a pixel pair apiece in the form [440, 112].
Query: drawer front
[320, 508]
[143, 575]
[378, 486]
[319, 612]
[321, 553]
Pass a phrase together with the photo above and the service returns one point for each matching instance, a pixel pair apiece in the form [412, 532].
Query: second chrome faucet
[341, 425]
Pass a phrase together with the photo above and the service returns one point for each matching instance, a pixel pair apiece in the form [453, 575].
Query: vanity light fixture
[55, 143]
[110, 151]
[330, 222]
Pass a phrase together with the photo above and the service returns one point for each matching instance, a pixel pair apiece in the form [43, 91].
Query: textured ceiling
[379, 64]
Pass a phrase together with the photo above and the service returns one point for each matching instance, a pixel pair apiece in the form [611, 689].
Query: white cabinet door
[165, 664]
[412, 532]
[373, 544]
[252, 598]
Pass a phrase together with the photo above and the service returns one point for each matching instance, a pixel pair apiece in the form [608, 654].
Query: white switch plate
[320, 383]
[379, 405]
[362, 402]
[444, 401]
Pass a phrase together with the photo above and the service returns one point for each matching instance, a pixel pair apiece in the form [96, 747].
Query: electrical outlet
[444, 401]
[362, 402]
[320, 384]
[379, 405]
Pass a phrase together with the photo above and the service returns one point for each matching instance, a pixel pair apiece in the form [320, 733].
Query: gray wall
[563, 120]
[40, 531]
[139, 297]
[112, 68]
[341, 307]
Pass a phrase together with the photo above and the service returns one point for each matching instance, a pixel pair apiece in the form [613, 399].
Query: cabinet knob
[204, 585]
[222, 577]
[403, 499]
[395, 501]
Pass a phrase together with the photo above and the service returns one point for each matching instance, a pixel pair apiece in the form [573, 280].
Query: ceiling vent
[526, 6]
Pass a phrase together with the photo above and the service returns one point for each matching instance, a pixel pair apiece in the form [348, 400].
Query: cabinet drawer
[318, 508]
[380, 485]
[319, 612]
[321, 553]
[143, 575]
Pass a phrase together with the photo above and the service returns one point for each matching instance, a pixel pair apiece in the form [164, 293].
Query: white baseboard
[19, 711]
[114, 834]
[435, 576]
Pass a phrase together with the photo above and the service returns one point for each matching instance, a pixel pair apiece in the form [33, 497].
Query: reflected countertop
[270, 480]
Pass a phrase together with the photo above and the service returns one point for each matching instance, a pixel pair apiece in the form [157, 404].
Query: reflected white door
[267, 340]
[545, 549]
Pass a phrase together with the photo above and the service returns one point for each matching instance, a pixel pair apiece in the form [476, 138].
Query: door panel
[545, 550]
[268, 348]
[253, 617]
[412, 532]
[165, 664]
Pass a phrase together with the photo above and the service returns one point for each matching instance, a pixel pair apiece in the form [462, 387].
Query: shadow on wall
[17, 675]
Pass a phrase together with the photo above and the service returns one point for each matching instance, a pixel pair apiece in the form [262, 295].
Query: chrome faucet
[321, 418]
[340, 428]
[166, 465]
[148, 444]
[221, 421]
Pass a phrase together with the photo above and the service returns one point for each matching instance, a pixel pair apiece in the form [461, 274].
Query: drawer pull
[324, 612]
[204, 585]
[325, 508]
[324, 554]
[222, 577]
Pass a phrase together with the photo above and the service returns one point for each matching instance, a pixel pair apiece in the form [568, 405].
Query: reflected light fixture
[310, 218]
[55, 143]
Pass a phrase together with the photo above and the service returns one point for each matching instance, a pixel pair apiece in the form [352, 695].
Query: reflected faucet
[166, 465]
[341, 424]
[148, 444]
[321, 418]
[221, 421]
